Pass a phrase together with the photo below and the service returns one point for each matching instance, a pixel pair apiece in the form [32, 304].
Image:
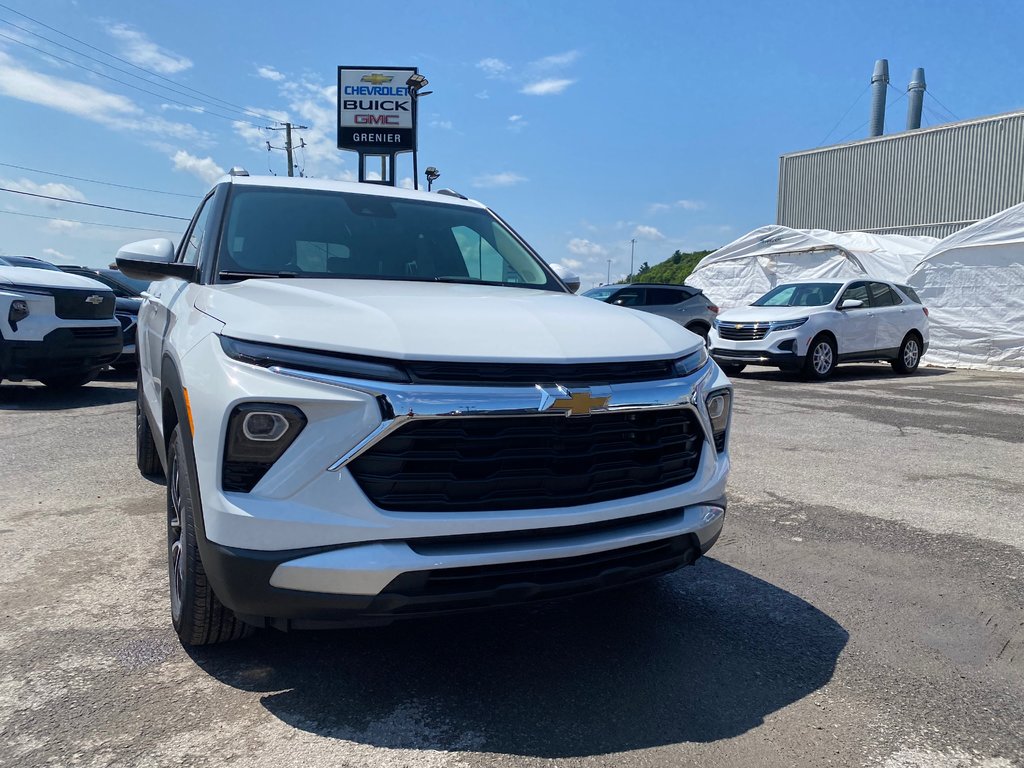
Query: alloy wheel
[911, 353]
[176, 554]
[822, 358]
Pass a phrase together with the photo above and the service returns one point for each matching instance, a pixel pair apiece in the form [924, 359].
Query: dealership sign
[376, 111]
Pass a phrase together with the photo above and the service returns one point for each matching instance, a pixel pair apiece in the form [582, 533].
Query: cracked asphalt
[864, 607]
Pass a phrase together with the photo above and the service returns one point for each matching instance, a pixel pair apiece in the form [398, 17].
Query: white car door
[857, 326]
[892, 316]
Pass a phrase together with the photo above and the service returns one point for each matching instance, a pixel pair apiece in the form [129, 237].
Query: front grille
[742, 331]
[566, 374]
[71, 304]
[530, 462]
[94, 333]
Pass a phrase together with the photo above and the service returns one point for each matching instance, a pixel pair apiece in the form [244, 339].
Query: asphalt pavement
[864, 607]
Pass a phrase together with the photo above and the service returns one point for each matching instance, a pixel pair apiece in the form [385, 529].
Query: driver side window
[190, 253]
[858, 291]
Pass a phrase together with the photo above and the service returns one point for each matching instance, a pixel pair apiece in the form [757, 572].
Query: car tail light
[925, 311]
[714, 309]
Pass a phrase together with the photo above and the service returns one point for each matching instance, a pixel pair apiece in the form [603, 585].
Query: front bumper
[307, 544]
[66, 350]
[300, 588]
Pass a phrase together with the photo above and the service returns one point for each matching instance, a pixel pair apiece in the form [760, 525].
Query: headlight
[692, 363]
[719, 405]
[258, 435]
[785, 325]
[271, 355]
[17, 313]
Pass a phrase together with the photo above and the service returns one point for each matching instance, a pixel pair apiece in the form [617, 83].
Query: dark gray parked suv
[682, 303]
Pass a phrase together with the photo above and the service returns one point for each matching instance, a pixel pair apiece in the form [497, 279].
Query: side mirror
[851, 304]
[567, 276]
[152, 260]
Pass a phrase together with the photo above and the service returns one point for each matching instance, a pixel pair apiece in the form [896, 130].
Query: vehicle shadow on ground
[855, 372]
[33, 396]
[703, 655]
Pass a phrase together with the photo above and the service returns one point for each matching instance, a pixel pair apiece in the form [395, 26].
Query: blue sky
[585, 124]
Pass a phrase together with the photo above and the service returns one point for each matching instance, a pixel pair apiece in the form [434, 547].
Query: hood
[755, 314]
[48, 278]
[407, 320]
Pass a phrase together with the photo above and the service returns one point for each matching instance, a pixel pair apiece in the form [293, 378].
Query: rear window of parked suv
[910, 293]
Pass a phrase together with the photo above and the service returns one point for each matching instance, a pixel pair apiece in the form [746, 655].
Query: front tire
[146, 456]
[68, 381]
[821, 359]
[909, 356]
[198, 617]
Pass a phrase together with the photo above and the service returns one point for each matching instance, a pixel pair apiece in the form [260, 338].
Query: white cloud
[582, 247]
[143, 52]
[645, 232]
[50, 189]
[269, 73]
[406, 183]
[57, 256]
[503, 179]
[444, 125]
[63, 225]
[86, 101]
[203, 168]
[572, 263]
[686, 205]
[493, 67]
[556, 60]
[483, 95]
[516, 123]
[514, 118]
[548, 87]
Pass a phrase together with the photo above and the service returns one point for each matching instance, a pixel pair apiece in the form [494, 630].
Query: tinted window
[628, 297]
[881, 296]
[799, 295]
[665, 296]
[857, 291]
[317, 233]
[911, 294]
[601, 294]
[190, 253]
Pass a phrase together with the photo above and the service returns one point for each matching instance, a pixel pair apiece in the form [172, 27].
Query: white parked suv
[55, 327]
[812, 326]
[373, 403]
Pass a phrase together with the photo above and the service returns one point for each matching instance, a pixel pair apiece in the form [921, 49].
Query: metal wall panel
[932, 181]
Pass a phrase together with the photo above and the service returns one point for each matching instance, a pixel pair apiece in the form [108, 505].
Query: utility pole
[288, 147]
[632, 246]
[608, 280]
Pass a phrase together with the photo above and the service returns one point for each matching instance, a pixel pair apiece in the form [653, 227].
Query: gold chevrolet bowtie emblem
[376, 79]
[579, 403]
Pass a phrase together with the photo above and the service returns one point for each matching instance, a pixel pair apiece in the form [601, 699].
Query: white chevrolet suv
[372, 403]
[812, 326]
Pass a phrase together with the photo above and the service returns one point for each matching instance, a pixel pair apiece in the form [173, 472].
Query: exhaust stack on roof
[915, 99]
[879, 85]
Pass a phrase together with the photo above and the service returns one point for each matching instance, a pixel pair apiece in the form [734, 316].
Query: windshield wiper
[468, 281]
[233, 275]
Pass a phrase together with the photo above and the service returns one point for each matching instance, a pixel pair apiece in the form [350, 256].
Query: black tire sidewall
[176, 454]
[809, 370]
[898, 363]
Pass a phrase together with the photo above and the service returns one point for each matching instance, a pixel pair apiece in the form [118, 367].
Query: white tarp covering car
[973, 285]
[750, 266]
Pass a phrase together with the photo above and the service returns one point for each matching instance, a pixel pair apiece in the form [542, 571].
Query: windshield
[131, 286]
[600, 293]
[799, 295]
[326, 234]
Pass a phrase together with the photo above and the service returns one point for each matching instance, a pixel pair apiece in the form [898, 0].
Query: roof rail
[452, 193]
[238, 170]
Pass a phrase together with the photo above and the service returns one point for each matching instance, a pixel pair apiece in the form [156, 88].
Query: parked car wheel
[68, 381]
[909, 357]
[821, 358]
[199, 618]
[146, 456]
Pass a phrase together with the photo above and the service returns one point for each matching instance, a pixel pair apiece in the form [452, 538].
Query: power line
[160, 96]
[90, 223]
[891, 103]
[92, 205]
[936, 98]
[119, 69]
[96, 181]
[136, 66]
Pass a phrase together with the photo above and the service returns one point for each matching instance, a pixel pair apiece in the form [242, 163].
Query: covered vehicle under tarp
[973, 285]
[747, 268]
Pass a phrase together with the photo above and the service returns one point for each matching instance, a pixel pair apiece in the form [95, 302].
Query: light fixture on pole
[432, 175]
[632, 246]
[608, 280]
[415, 84]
